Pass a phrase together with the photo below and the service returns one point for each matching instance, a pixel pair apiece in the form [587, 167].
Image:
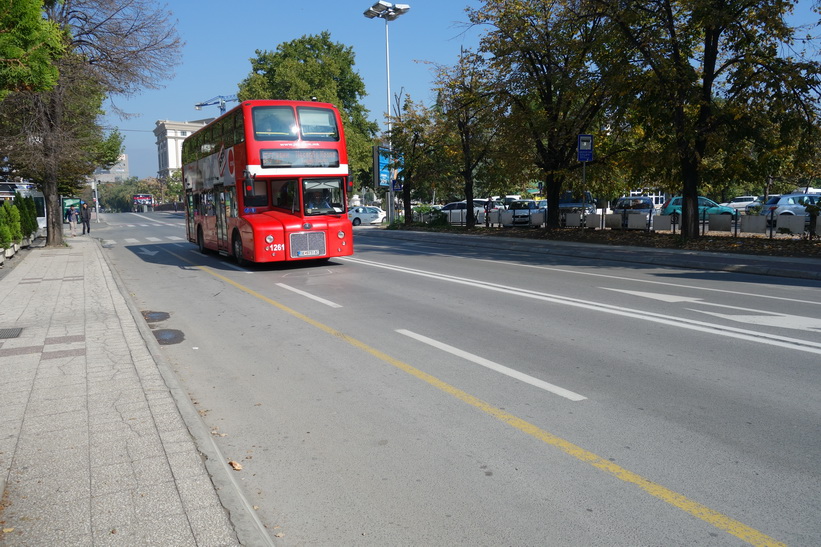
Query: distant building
[169, 143]
[116, 173]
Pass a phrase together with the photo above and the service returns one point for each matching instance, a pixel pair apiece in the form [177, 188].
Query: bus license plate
[314, 252]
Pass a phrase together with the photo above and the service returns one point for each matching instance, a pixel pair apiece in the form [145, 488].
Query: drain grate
[10, 333]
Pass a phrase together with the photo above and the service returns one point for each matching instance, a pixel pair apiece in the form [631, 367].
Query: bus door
[221, 205]
[190, 209]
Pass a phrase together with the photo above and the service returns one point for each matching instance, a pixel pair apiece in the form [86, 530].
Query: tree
[701, 66]
[174, 187]
[313, 66]
[53, 139]
[466, 100]
[553, 69]
[417, 137]
[112, 48]
[29, 46]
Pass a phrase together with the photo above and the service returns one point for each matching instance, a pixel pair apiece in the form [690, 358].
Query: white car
[366, 215]
[457, 212]
[740, 203]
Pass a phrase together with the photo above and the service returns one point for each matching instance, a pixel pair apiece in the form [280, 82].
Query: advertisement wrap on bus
[268, 181]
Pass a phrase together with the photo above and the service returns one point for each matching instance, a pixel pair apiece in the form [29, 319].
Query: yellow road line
[719, 520]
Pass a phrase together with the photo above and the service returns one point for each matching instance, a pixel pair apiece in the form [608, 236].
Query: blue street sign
[384, 169]
[584, 150]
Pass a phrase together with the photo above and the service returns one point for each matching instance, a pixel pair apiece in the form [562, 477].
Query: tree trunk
[553, 189]
[51, 160]
[406, 198]
[471, 218]
[689, 201]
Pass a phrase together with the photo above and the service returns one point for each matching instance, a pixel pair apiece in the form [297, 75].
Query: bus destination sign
[299, 158]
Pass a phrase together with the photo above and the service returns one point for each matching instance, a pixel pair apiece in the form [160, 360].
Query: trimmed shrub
[5, 233]
[28, 214]
[14, 221]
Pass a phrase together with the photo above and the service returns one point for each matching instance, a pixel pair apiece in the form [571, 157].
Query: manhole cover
[167, 337]
[155, 316]
[13, 332]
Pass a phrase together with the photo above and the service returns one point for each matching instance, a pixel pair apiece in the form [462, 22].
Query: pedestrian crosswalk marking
[133, 241]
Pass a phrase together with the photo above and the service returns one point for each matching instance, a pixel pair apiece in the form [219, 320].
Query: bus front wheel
[237, 246]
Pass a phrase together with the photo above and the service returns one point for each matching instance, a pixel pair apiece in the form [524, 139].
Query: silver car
[788, 204]
[634, 205]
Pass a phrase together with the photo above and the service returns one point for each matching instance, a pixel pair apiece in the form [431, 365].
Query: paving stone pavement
[93, 447]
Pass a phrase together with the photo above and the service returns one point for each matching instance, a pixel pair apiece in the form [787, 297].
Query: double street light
[389, 12]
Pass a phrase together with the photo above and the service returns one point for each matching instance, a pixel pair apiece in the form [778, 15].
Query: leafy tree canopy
[707, 76]
[111, 48]
[28, 46]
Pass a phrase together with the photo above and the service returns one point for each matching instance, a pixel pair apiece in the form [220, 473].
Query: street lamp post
[94, 184]
[389, 12]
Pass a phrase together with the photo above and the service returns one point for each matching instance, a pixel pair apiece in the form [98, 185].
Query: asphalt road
[424, 393]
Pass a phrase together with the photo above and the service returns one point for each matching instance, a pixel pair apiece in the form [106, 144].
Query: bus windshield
[322, 196]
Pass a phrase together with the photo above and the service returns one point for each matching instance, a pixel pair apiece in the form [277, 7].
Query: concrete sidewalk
[94, 449]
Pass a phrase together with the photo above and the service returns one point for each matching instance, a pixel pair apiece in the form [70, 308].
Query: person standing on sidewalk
[72, 216]
[85, 218]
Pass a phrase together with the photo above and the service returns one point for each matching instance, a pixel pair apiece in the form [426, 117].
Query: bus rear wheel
[200, 241]
[236, 245]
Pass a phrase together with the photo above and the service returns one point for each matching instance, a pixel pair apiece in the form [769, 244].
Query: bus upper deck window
[274, 123]
[318, 124]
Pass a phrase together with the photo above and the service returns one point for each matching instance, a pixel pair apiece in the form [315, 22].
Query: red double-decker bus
[267, 181]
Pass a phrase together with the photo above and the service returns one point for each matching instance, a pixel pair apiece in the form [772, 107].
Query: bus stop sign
[584, 150]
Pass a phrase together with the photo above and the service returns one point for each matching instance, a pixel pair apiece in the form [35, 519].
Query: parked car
[634, 205]
[788, 204]
[457, 211]
[706, 207]
[522, 211]
[366, 215]
[576, 202]
[740, 202]
[506, 199]
[754, 207]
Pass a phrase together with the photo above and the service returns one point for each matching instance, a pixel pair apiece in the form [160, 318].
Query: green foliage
[313, 66]
[5, 236]
[711, 89]
[551, 70]
[13, 215]
[73, 144]
[9, 224]
[28, 214]
[5, 231]
[51, 134]
[29, 45]
[174, 188]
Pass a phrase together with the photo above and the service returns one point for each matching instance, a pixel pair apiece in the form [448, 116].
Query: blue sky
[222, 36]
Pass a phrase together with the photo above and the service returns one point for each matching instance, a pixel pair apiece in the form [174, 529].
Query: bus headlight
[269, 239]
[340, 234]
